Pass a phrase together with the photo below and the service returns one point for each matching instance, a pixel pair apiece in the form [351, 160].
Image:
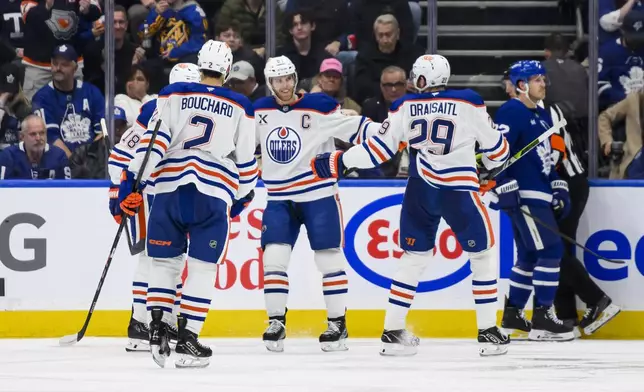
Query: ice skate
[547, 327]
[597, 316]
[335, 337]
[398, 343]
[275, 334]
[514, 322]
[138, 337]
[159, 346]
[494, 342]
[192, 354]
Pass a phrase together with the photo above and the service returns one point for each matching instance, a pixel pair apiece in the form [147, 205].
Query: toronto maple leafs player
[203, 169]
[120, 157]
[532, 186]
[291, 130]
[441, 127]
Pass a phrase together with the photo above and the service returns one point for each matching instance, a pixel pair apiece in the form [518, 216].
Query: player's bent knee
[483, 265]
[330, 260]
[414, 262]
[171, 263]
[276, 257]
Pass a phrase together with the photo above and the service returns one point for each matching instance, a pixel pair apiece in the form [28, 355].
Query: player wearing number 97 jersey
[441, 127]
[119, 159]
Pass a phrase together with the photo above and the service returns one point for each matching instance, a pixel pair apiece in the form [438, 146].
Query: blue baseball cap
[65, 51]
[119, 114]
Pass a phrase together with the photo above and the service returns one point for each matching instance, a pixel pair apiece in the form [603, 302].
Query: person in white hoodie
[136, 94]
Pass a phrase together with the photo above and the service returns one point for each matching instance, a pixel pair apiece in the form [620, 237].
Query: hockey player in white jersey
[441, 127]
[121, 154]
[291, 130]
[206, 135]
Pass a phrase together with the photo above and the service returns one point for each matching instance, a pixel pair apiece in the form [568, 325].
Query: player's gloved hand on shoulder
[240, 205]
[506, 195]
[115, 208]
[129, 201]
[328, 165]
[560, 198]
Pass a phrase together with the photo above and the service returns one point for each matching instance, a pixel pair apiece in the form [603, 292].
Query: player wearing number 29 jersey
[441, 128]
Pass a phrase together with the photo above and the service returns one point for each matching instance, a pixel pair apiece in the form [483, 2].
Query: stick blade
[69, 340]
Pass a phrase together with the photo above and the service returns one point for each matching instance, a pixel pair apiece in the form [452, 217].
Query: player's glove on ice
[560, 198]
[115, 208]
[328, 165]
[130, 201]
[241, 204]
[506, 196]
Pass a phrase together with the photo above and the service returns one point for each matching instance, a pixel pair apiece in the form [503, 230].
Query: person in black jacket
[230, 33]
[330, 16]
[363, 14]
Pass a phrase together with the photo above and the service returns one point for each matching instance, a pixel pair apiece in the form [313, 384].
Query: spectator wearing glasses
[393, 83]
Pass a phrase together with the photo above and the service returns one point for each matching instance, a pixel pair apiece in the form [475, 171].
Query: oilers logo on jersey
[283, 145]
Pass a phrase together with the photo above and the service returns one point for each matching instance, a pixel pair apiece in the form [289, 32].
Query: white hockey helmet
[279, 66]
[185, 72]
[434, 68]
[215, 56]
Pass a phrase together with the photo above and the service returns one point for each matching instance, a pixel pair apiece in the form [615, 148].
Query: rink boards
[54, 240]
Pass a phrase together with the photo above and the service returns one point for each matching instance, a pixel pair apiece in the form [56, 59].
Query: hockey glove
[240, 205]
[115, 208]
[560, 198]
[129, 201]
[328, 165]
[506, 196]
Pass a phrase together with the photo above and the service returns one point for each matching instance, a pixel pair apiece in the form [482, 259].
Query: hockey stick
[69, 340]
[570, 240]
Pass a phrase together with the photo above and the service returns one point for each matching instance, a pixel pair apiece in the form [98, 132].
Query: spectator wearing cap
[330, 81]
[14, 107]
[242, 80]
[49, 24]
[230, 33]
[611, 17]
[137, 86]
[33, 158]
[303, 49]
[120, 123]
[71, 109]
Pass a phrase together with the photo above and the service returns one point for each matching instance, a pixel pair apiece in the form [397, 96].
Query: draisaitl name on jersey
[423, 109]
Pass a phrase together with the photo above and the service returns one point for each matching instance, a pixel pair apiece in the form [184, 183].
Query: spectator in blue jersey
[14, 107]
[71, 109]
[33, 158]
[621, 62]
[611, 17]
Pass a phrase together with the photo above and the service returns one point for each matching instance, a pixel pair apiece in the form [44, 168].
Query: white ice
[102, 365]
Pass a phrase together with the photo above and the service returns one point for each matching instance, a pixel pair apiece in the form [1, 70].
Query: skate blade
[608, 314]
[545, 336]
[276, 346]
[188, 361]
[137, 345]
[340, 345]
[159, 355]
[516, 334]
[491, 350]
[397, 350]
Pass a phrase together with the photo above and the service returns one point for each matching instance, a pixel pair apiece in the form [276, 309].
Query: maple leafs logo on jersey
[75, 129]
[634, 81]
[545, 153]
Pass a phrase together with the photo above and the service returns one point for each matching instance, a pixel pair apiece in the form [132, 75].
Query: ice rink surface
[102, 365]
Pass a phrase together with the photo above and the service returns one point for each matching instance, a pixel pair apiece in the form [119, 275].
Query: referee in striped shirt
[573, 277]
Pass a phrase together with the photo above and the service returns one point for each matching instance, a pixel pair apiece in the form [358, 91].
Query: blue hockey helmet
[524, 70]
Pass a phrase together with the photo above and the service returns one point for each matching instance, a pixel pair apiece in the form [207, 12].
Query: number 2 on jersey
[208, 127]
[438, 133]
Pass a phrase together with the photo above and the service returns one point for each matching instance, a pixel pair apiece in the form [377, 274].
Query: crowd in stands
[52, 63]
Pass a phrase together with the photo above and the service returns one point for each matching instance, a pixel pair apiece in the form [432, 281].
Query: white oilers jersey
[441, 129]
[290, 136]
[206, 138]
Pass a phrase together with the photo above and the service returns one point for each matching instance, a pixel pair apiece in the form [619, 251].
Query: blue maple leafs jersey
[14, 164]
[621, 71]
[534, 172]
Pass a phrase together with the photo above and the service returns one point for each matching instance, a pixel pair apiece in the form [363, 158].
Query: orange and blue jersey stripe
[297, 185]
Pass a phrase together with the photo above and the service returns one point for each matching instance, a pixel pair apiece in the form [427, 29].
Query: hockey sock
[162, 285]
[140, 289]
[335, 286]
[484, 287]
[197, 293]
[520, 286]
[177, 300]
[546, 281]
[276, 258]
[403, 287]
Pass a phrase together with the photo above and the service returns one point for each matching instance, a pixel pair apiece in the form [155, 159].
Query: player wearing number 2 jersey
[441, 128]
[201, 163]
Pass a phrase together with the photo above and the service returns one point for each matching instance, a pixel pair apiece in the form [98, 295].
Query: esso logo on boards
[372, 248]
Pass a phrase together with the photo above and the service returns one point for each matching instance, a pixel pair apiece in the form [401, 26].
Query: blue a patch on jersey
[283, 144]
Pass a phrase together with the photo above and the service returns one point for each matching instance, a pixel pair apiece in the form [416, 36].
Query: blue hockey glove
[240, 205]
[115, 208]
[560, 198]
[506, 195]
[129, 201]
[328, 165]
